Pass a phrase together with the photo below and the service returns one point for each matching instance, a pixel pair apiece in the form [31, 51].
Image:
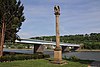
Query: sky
[77, 17]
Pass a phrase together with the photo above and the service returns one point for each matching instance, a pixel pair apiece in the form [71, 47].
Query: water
[85, 55]
[19, 51]
[81, 55]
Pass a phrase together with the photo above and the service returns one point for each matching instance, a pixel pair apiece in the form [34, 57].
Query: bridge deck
[32, 41]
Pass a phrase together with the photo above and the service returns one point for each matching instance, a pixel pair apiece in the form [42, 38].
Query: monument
[57, 50]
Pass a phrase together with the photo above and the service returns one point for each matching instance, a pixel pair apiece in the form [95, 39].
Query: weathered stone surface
[58, 55]
[57, 50]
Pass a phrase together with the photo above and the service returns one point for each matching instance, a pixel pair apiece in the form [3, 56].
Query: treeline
[89, 41]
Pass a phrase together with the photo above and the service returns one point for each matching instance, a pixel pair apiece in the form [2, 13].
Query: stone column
[57, 50]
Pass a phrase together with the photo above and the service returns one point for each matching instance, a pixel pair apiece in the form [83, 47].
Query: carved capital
[57, 10]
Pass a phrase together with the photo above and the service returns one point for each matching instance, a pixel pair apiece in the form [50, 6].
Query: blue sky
[77, 17]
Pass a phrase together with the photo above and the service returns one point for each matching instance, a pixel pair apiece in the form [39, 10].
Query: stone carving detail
[57, 10]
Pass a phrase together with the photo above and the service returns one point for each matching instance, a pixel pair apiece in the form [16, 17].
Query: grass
[40, 63]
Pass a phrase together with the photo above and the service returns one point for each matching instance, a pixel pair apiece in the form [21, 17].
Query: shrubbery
[72, 58]
[22, 57]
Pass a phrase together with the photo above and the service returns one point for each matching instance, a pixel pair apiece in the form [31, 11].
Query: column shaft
[57, 32]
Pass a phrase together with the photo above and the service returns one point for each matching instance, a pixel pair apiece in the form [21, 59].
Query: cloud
[77, 16]
[24, 34]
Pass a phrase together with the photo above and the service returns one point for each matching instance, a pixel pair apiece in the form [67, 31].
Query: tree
[11, 16]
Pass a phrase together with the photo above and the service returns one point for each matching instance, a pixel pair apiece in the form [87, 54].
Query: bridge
[39, 45]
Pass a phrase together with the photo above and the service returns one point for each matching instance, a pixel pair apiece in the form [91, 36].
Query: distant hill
[89, 41]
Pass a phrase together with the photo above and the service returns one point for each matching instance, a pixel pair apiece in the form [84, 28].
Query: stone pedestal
[57, 55]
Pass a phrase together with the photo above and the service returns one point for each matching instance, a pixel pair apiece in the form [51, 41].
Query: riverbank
[87, 50]
[84, 50]
[17, 49]
[87, 55]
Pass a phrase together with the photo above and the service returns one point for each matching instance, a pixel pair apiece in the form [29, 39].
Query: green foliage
[88, 41]
[20, 46]
[71, 58]
[74, 58]
[92, 45]
[12, 46]
[22, 57]
[46, 56]
[12, 11]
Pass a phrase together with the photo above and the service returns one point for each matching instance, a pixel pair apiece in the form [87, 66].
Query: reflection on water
[81, 55]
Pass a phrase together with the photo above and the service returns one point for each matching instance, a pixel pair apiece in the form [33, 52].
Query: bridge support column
[75, 48]
[65, 48]
[38, 48]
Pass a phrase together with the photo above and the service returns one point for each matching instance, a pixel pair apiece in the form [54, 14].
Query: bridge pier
[38, 48]
[65, 48]
[69, 48]
[75, 48]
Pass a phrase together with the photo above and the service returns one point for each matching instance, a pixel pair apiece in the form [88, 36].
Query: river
[82, 55]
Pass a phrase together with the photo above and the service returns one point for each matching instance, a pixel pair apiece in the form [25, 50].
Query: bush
[5, 58]
[74, 58]
[65, 58]
[22, 57]
[46, 56]
[36, 56]
[12, 46]
[20, 46]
